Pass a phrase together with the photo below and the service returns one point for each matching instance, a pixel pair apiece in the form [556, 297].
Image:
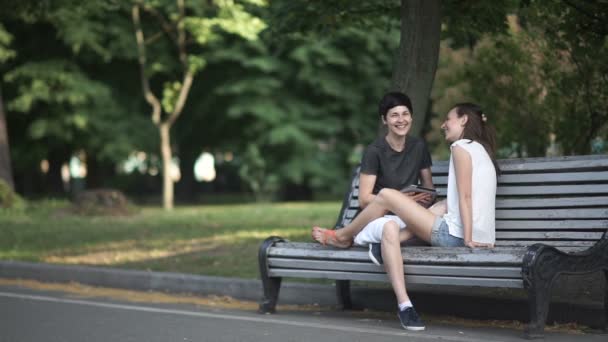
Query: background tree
[73, 97]
[6, 173]
[542, 79]
[305, 106]
[416, 57]
[576, 67]
[182, 27]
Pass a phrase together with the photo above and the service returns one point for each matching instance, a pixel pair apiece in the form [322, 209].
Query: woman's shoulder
[415, 141]
[378, 144]
[471, 146]
[463, 142]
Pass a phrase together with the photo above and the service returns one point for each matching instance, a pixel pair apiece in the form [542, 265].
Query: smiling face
[398, 120]
[453, 126]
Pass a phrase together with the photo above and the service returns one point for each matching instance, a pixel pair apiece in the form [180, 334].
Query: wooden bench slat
[511, 203]
[542, 178]
[534, 214]
[548, 235]
[420, 255]
[347, 266]
[561, 202]
[552, 224]
[552, 190]
[557, 244]
[536, 191]
[415, 279]
[561, 164]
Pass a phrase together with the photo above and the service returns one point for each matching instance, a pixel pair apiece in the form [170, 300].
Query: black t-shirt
[395, 170]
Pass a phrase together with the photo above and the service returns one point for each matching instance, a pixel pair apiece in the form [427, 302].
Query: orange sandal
[327, 237]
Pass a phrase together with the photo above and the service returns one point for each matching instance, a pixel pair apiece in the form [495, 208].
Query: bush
[103, 202]
[9, 199]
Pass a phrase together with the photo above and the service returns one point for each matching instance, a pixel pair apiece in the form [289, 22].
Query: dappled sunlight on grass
[211, 239]
[138, 251]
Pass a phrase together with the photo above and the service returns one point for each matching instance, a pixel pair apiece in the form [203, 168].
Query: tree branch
[153, 38]
[583, 11]
[188, 73]
[183, 96]
[181, 34]
[145, 83]
[162, 21]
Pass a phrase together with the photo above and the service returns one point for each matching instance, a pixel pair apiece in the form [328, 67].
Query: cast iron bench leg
[541, 266]
[343, 294]
[606, 300]
[271, 285]
[539, 271]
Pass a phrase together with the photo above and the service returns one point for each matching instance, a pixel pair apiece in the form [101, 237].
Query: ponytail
[477, 129]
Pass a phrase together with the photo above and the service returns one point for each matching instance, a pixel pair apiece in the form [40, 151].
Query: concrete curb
[443, 300]
[246, 289]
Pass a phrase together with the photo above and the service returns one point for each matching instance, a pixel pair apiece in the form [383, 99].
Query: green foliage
[466, 22]
[54, 81]
[506, 79]
[544, 78]
[231, 17]
[263, 181]
[575, 68]
[5, 40]
[10, 199]
[306, 106]
[67, 107]
[318, 16]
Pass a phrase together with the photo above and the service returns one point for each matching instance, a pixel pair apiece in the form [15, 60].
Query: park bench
[551, 219]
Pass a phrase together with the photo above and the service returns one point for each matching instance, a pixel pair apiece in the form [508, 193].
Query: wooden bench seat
[551, 218]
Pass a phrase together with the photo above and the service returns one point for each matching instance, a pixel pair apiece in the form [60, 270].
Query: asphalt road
[28, 315]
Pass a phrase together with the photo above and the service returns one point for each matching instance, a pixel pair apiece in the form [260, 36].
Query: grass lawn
[219, 240]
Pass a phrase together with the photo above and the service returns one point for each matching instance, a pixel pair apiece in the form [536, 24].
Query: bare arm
[366, 187]
[464, 177]
[426, 178]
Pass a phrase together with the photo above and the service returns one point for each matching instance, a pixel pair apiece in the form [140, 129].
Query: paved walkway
[28, 315]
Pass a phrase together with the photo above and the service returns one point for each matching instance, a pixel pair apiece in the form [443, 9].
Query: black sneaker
[410, 319]
[375, 253]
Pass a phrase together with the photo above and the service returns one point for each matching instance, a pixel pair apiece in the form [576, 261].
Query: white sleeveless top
[483, 195]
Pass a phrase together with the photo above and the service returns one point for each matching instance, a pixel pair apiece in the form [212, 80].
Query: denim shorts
[440, 235]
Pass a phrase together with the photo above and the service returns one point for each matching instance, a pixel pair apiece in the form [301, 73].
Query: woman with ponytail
[465, 218]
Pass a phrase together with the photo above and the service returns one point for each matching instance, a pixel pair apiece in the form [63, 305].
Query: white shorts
[372, 233]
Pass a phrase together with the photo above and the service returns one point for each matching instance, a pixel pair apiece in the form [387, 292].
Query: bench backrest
[560, 201]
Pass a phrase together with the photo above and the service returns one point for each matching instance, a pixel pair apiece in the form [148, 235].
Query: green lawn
[217, 240]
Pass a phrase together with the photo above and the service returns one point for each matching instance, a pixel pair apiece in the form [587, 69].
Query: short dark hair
[394, 99]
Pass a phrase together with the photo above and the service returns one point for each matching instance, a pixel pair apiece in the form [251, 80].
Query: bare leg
[393, 261]
[404, 235]
[440, 208]
[418, 219]
[343, 237]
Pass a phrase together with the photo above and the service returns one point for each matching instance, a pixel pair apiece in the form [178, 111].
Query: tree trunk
[99, 173]
[418, 55]
[5, 157]
[187, 185]
[54, 182]
[165, 151]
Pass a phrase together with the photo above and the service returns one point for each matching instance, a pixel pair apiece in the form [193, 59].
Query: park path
[28, 315]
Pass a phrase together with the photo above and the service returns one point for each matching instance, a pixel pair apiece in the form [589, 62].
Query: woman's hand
[421, 197]
[473, 244]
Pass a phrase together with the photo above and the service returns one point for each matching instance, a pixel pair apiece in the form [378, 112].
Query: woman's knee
[390, 232]
[384, 195]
